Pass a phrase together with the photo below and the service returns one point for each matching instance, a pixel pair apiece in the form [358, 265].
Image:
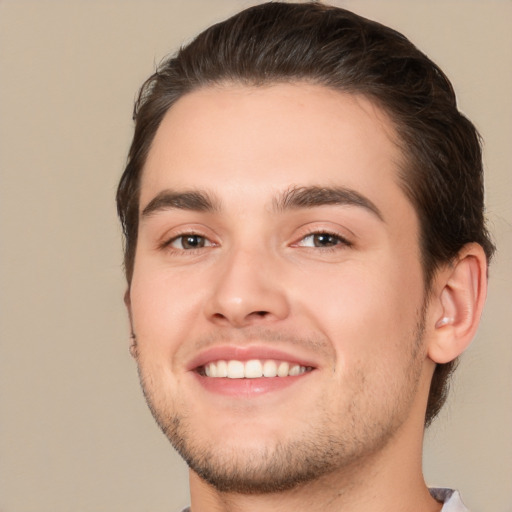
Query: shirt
[450, 498]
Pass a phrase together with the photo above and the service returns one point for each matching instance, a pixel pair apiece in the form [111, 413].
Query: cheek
[364, 308]
[164, 307]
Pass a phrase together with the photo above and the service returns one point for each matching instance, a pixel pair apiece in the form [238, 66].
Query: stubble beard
[321, 449]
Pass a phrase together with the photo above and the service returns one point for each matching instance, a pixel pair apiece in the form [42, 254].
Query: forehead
[267, 138]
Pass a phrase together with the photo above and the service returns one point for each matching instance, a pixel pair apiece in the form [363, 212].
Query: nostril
[261, 313]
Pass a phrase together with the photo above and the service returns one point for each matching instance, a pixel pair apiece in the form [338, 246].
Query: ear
[455, 308]
[127, 300]
[133, 339]
[128, 304]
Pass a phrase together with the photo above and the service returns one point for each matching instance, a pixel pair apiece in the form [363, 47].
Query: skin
[353, 307]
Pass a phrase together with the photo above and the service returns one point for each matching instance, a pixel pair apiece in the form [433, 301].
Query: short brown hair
[285, 42]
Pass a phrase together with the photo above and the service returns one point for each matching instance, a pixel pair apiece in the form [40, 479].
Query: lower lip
[248, 387]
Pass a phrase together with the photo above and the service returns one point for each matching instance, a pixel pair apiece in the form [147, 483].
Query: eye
[189, 241]
[322, 240]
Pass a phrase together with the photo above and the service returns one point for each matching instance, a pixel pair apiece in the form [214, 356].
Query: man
[306, 258]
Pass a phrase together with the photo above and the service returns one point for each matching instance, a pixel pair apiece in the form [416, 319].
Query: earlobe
[445, 320]
[133, 346]
[460, 298]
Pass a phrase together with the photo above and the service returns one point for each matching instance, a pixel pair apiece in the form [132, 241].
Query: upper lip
[245, 353]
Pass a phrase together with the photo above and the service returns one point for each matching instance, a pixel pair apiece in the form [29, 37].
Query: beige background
[75, 433]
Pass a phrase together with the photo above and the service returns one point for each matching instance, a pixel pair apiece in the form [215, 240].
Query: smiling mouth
[252, 369]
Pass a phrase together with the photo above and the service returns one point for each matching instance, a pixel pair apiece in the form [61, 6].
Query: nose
[247, 291]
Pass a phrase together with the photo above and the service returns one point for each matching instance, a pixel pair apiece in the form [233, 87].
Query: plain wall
[75, 433]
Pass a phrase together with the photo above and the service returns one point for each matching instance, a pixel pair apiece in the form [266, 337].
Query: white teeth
[282, 370]
[294, 370]
[222, 368]
[269, 369]
[252, 369]
[235, 370]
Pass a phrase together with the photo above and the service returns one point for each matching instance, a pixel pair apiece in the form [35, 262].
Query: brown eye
[322, 240]
[191, 241]
[325, 240]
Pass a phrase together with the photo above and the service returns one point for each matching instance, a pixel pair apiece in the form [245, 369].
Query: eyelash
[341, 242]
[168, 244]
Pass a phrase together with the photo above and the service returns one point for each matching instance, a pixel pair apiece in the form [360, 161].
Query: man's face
[274, 238]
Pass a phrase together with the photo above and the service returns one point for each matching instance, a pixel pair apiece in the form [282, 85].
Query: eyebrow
[195, 200]
[314, 196]
[293, 198]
